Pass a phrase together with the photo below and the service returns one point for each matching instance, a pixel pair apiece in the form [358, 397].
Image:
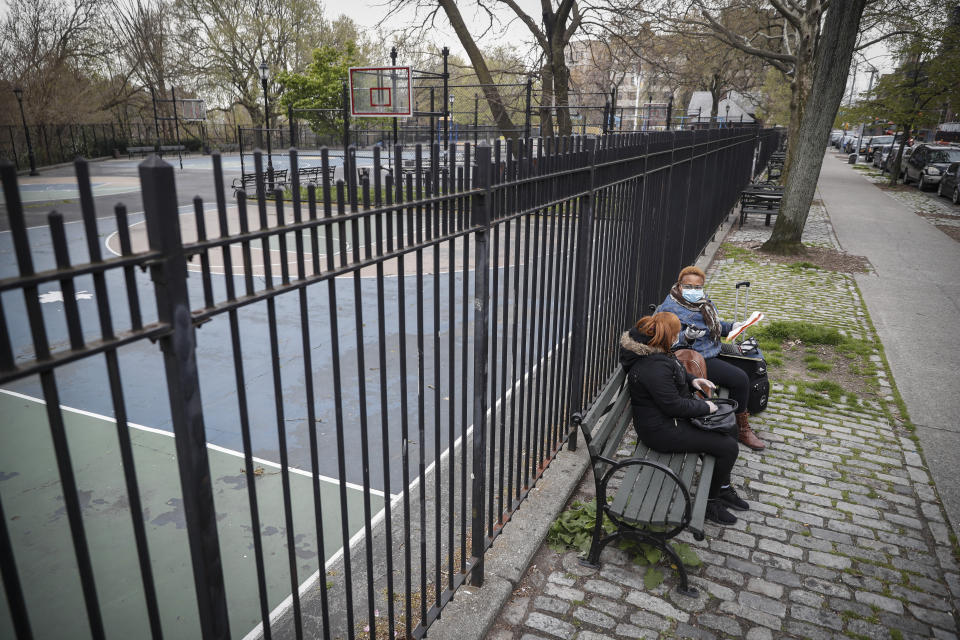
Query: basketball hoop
[380, 92]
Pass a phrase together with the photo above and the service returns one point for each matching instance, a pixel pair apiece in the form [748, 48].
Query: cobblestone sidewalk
[845, 538]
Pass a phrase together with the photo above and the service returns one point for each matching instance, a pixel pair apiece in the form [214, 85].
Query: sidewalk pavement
[847, 535]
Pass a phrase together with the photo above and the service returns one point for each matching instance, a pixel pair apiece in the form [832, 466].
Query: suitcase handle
[745, 283]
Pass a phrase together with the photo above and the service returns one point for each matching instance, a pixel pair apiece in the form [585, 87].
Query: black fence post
[476, 117]
[581, 293]
[169, 275]
[480, 218]
[293, 136]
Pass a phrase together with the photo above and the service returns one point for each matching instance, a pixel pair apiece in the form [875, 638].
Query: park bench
[141, 151]
[760, 199]
[248, 181]
[314, 175]
[658, 494]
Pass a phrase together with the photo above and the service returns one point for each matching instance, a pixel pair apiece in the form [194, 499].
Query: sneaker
[729, 498]
[717, 513]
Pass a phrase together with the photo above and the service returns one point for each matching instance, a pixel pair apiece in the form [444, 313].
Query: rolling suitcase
[746, 355]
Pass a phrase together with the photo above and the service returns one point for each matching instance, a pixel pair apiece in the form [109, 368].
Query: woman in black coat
[662, 400]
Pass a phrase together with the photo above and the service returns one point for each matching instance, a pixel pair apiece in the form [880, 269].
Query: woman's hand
[713, 407]
[704, 386]
[692, 333]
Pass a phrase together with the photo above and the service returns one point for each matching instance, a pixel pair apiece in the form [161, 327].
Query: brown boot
[746, 435]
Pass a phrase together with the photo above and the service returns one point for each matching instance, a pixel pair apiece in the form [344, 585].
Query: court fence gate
[439, 328]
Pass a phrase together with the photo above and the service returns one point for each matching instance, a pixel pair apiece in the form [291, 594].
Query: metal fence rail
[443, 323]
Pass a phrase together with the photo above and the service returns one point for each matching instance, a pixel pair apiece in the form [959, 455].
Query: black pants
[724, 374]
[686, 438]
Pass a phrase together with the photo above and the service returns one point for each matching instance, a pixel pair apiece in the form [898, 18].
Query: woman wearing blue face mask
[702, 332]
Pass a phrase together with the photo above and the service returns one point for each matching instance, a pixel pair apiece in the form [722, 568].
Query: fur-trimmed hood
[633, 346]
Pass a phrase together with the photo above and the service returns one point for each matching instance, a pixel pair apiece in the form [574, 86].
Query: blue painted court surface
[40, 533]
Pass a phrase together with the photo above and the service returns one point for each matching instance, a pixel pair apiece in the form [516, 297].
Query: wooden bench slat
[654, 481]
[703, 491]
[671, 509]
[622, 497]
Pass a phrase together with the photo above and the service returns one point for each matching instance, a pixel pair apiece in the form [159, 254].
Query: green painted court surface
[46, 563]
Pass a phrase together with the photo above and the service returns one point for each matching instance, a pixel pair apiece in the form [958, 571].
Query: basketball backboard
[191, 110]
[380, 92]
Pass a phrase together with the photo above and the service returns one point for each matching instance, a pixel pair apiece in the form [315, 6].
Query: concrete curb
[473, 610]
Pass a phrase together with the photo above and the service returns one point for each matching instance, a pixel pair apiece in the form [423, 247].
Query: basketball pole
[176, 125]
[346, 119]
[156, 121]
[393, 62]
[446, 93]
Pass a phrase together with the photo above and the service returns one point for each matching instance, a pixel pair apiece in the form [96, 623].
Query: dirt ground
[822, 257]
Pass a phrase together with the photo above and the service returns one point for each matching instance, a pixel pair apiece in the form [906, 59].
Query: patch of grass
[739, 254]
[896, 634]
[814, 364]
[781, 330]
[799, 267]
[774, 361]
[819, 394]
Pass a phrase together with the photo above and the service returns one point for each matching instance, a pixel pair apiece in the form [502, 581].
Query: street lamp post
[726, 119]
[33, 161]
[264, 77]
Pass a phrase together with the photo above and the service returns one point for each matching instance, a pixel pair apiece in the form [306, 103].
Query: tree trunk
[561, 87]
[895, 171]
[546, 101]
[808, 142]
[490, 90]
[800, 85]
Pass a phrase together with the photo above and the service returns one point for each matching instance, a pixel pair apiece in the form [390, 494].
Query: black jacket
[660, 390]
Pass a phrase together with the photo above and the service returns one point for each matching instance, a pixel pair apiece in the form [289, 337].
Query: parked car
[835, 135]
[875, 143]
[847, 142]
[892, 158]
[880, 155]
[927, 164]
[950, 184]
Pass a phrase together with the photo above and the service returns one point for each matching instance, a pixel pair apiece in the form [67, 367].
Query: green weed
[573, 529]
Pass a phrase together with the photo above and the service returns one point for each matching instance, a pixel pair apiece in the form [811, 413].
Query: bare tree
[46, 45]
[227, 41]
[551, 33]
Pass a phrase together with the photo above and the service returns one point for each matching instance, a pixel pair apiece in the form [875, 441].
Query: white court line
[213, 447]
[287, 603]
[113, 217]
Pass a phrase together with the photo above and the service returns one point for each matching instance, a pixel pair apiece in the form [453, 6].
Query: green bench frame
[660, 494]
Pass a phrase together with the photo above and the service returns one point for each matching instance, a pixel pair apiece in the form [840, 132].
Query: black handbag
[722, 420]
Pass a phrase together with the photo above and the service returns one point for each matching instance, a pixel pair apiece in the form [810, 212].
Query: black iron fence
[59, 143]
[419, 342]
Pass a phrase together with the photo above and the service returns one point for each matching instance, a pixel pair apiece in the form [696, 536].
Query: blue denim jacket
[706, 346]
